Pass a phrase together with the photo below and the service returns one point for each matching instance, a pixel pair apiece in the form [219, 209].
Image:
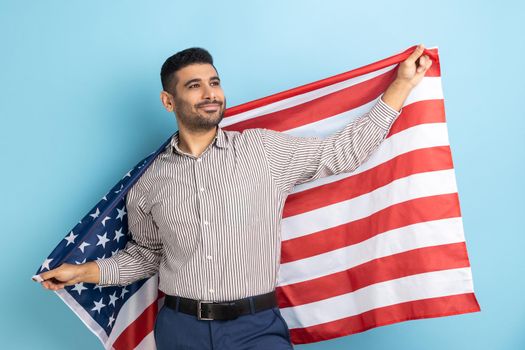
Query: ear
[167, 101]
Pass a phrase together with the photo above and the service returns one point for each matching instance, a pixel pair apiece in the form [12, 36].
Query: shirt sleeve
[294, 160]
[143, 252]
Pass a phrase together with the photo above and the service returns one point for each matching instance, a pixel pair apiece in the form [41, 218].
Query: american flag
[380, 245]
[121, 317]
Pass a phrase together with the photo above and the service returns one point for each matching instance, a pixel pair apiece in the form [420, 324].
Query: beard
[198, 120]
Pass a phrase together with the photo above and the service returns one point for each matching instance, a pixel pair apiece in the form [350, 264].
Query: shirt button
[202, 189]
[209, 257]
[206, 222]
[211, 291]
[199, 159]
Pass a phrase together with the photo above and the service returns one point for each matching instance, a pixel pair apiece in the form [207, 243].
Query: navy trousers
[263, 330]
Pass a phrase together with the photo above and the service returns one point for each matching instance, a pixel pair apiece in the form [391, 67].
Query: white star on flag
[121, 213]
[70, 238]
[95, 214]
[45, 264]
[118, 234]
[79, 287]
[102, 240]
[98, 306]
[111, 320]
[80, 262]
[104, 221]
[124, 291]
[113, 298]
[83, 246]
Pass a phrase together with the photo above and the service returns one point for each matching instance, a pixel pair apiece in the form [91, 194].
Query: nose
[209, 93]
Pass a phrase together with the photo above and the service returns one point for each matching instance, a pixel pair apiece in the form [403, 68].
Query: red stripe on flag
[434, 258]
[139, 328]
[413, 162]
[396, 216]
[434, 71]
[425, 308]
[319, 108]
[417, 113]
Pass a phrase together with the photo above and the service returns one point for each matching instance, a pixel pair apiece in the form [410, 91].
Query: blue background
[79, 106]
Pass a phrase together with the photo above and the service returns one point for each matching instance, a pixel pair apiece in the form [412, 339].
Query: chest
[226, 188]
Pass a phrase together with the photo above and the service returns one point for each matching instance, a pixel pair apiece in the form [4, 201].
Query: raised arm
[294, 160]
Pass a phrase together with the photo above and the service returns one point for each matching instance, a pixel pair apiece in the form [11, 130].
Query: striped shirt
[211, 225]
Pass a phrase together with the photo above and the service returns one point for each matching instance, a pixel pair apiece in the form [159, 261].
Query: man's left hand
[413, 69]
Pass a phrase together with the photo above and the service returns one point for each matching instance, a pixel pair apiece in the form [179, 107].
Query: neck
[195, 142]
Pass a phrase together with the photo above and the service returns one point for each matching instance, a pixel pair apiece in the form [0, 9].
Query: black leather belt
[221, 310]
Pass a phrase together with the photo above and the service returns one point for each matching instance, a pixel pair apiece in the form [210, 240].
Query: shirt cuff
[383, 115]
[109, 272]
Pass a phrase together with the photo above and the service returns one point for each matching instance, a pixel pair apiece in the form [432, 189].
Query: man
[206, 214]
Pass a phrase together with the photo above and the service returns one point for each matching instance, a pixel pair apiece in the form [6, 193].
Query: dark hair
[180, 60]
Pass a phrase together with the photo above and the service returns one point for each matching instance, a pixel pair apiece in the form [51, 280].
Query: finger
[48, 274]
[47, 284]
[53, 284]
[59, 286]
[422, 70]
[424, 63]
[56, 273]
[419, 64]
[37, 278]
[415, 55]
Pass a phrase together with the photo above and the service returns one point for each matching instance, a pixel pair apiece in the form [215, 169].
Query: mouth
[212, 107]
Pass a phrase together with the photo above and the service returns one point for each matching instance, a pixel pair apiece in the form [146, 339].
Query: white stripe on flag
[400, 190]
[423, 234]
[148, 343]
[330, 125]
[302, 98]
[428, 89]
[416, 137]
[410, 288]
[134, 307]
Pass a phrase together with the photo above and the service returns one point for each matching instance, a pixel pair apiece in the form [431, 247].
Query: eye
[193, 85]
[216, 83]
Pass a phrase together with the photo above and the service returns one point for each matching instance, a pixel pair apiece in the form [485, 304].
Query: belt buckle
[199, 309]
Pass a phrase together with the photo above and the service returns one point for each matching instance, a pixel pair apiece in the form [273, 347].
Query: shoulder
[242, 137]
[145, 176]
[250, 133]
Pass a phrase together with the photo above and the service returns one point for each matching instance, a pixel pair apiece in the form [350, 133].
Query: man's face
[199, 101]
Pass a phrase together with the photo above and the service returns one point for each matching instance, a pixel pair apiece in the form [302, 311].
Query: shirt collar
[220, 140]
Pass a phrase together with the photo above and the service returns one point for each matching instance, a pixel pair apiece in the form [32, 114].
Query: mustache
[217, 103]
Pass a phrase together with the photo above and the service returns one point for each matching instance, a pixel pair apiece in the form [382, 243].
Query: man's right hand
[70, 274]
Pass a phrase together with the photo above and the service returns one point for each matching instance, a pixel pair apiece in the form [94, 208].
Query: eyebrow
[197, 80]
